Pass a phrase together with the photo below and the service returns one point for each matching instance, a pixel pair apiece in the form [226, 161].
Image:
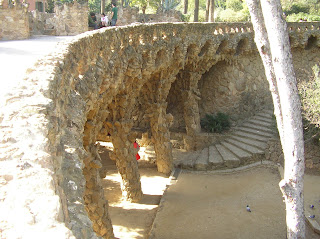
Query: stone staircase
[244, 145]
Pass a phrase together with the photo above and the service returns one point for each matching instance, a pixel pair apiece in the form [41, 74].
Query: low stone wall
[41, 23]
[14, 22]
[70, 18]
[312, 155]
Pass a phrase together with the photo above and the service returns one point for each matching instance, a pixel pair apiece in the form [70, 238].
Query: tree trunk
[103, 5]
[196, 11]
[207, 10]
[211, 11]
[283, 86]
[185, 7]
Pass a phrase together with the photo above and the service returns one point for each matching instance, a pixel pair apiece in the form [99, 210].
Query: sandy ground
[132, 220]
[209, 205]
[203, 205]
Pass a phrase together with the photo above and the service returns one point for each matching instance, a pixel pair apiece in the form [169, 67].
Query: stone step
[245, 146]
[201, 162]
[229, 159]
[255, 131]
[251, 136]
[259, 127]
[268, 111]
[261, 118]
[215, 158]
[259, 144]
[265, 115]
[258, 122]
[240, 153]
[188, 162]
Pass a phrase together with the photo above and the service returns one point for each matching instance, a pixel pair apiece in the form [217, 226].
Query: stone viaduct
[121, 81]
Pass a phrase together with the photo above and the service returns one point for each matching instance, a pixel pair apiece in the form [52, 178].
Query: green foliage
[164, 5]
[186, 17]
[50, 6]
[230, 15]
[139, 3]
[305, 16]
[235, 5]
[94, 5]
[215, 123]
[190, 13]
[220, 4]
[296, 8]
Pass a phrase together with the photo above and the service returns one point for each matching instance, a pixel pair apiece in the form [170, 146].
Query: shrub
[215, 123]
[229, 15]
[297, 8]
[296, 17]
[235, 5]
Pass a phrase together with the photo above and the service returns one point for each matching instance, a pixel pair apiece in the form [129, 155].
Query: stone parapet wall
[71, 18]
[14, 22]
[101, 82]
[41, 23]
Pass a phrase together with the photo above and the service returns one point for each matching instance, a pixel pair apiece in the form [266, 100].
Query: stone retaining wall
[105, 83]
[14, 21]
[70, 18]
[42, 23]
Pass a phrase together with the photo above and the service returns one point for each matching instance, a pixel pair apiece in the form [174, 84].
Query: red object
[136, 145]
[137, 156]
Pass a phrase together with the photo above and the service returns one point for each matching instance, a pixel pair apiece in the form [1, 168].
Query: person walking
[114, 15]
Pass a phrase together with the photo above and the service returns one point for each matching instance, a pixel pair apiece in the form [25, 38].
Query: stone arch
[222, 46]
[312, 42]
[241, 46]
[204, 49]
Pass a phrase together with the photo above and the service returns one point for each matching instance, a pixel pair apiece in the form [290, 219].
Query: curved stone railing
[89, 87]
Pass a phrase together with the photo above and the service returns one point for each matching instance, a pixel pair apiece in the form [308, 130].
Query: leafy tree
[235, 5]
[162, 6]
[50, 6]
[220, 4]
[141, 4]
[94, 5]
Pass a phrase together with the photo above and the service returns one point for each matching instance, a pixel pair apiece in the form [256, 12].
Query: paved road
[17, 56]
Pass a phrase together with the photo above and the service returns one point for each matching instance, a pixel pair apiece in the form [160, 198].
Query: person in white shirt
[104, 20]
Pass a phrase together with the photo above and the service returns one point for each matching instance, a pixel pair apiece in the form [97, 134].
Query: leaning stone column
[159, 122]
[124, 155]
[190, 97]
[96, 204]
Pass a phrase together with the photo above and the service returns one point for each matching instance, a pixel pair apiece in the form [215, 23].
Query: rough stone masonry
[154, 77]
